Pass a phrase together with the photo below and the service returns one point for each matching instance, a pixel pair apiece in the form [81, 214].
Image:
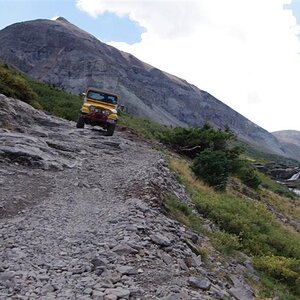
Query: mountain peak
[61, 19]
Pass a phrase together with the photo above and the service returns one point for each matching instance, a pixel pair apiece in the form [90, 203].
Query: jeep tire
[80, 122]
[110, 129]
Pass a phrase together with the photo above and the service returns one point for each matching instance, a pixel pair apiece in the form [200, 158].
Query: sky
[244, 52]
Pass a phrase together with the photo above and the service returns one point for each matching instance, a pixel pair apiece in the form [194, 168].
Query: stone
[160, 240]
[182, 265]
[48, 288]
[124, 249]
[203, 284]
[176, 296]
[126, 270]
[98, 262]
[193, 261]
[166, 258]
[97, 295]
[78, 270]
[110, 297]
[119, 292]
[241, 293]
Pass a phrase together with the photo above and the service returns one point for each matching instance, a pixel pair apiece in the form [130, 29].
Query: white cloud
[244, 52]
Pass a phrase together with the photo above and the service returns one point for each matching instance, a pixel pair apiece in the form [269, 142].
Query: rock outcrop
[59, 53]
[83, 219]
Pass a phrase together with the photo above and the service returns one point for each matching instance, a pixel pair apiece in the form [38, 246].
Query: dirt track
[81, 218]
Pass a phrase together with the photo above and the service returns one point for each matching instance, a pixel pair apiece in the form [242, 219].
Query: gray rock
[160, 240]
[98, 262]
[176, 296]
[110, 297]
[119, 292]
[241, 293]
[166, 258]
[97, 295]
[193, 261]
[203, 284]
[127, 270]
[124, 249]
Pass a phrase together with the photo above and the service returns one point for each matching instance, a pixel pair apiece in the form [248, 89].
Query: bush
[249, 176]
[213, 157]
[225, 242]
[285, 270]
[57, 102]
[212, 167]
[192, 141]
[13, 85]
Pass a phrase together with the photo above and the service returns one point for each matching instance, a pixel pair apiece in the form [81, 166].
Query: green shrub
[225, 242]
[249, 176]
[13, 85]
[259, 233]
[286, 270]
[212, 167]
[247, 226]
[57, 102]
[192, 141]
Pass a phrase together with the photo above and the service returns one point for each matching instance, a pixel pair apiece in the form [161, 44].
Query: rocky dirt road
[80, 218]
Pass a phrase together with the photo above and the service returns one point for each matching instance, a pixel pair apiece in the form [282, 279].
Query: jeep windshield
[103, 97]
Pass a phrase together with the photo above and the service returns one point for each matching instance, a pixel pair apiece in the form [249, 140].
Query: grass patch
[57, 102]
[16, 86]
[143, 127]
[39, 95]
[275, 187]
[248, 226]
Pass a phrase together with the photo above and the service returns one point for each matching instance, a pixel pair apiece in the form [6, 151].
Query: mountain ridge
[290, 140]
[59, 53]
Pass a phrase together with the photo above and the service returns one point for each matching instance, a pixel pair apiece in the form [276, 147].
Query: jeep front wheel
[80, 122]
[110, 129]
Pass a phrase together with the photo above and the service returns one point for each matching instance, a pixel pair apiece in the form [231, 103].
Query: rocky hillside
[290, 141]
[60, 53]
[81, 218]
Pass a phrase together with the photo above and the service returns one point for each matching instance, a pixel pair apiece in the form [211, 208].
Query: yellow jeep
[99, 108]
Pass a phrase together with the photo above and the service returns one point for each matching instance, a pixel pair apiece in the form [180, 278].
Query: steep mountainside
[60, 53]
[290, 141]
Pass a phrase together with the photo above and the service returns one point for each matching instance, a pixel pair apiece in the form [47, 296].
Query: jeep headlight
[106, 112]
[92, 108]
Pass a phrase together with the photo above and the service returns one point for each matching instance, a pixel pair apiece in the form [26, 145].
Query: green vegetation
[213, 167]
[142, 127]
[275, 187]
[214, 156]
[55, 101]
[14, 85]
[283, 269]
[245, 226]
[192, 141]
[39, 95]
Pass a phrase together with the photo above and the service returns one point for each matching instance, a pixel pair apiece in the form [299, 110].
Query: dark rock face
[278, 171]
[290, 141]
[60, 53]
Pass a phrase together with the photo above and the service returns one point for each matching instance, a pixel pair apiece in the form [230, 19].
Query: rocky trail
[81, 218]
